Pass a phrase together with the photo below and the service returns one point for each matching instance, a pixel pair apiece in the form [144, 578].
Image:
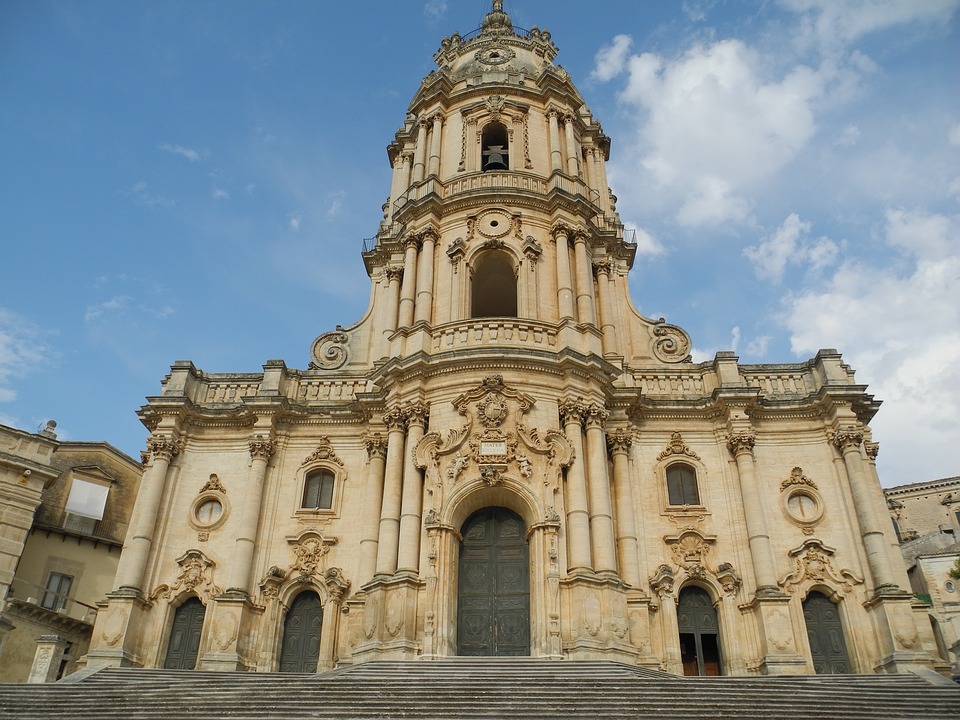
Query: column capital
[846, 438]
[395, 419]
[596, 416]
[437, 117]
[417, 414]
[873, 449]
[261, 447]
[602, 267]
[376, 445]
[394, 273]
[564, 229]
[572, 411]
[411, 241]
[429, 234]
[742, 442]
[164, 446]
[619, 441]
[554, 113]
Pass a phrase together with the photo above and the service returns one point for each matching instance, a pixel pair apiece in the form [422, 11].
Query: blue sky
[193, 180]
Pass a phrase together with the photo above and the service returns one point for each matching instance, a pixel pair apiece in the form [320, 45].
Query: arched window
[682, 485]
[496, 147]
[318, 490]
[494, 286]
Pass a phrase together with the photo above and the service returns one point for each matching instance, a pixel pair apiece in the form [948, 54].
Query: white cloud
[188, 153]
[848, 137]
[141, 194]
[335, 203]
[758, 346]
[611, 59]
[647, 244]
[116, 304]
[899, 328]
[715, 125]
[434, 9]
[220, 194]
[293, 224]
[954, 136]
[22, 350]
[833, 23]
[790, 244]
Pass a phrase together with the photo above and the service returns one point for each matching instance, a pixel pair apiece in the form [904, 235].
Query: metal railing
[41, 597]
[60, 519]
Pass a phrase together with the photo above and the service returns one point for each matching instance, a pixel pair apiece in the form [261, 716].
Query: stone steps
[465, 689]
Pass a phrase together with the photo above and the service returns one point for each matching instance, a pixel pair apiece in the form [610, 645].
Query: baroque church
[502, 457]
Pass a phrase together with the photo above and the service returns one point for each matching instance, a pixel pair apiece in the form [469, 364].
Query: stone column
[133, 558]
[573, 162]
[372, 501]
[561, 234]
[848, 442]
[389, 538]
[578, 519]
[328, 628]
[586, 312]
[409, 556]
[398, 182]
[589, 166]
[420, 151]
[424, 303]
[556, 157]
[434, 166]
[394, 275]
[618, 443]
[604, 186]
[607, 325]
[897, 565]
[598, 481]
[409, 288]
[261, 449]
[46, 661]
[741, 445]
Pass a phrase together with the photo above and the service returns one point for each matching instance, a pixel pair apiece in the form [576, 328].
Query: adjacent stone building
[502, 456]
[926, 517]
[64, 511]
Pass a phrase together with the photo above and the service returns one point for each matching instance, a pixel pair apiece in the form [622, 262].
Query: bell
[496, 159]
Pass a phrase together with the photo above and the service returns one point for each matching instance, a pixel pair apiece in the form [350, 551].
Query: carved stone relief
[814, 564]
[196, 575]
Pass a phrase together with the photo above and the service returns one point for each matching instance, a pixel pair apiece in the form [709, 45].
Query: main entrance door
[300, 649]
[493, 614]
[827, 646]
[699, 633]
[185, 636]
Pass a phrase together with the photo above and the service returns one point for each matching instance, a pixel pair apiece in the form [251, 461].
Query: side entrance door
[827, 646]
[699, 633]
[300, 648]
[493, 614]
[185, 636]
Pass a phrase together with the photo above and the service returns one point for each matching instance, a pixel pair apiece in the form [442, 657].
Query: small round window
[209, 511]
[949, 586]
[803, 507]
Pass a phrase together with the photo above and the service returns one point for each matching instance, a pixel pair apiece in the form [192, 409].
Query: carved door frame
[191, 613]
[819, 608]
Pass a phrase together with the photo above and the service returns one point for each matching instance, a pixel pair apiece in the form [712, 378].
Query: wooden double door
[185, 636]
[699, 633]
[300, 646]
[493, 609]
[825, 633]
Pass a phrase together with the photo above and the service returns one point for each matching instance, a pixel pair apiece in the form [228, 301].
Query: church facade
[503, 457]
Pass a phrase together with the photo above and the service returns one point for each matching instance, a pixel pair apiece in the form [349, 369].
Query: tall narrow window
[318, 490]
[682, 485]
[494, 286]
[496, 147]
[58, 588]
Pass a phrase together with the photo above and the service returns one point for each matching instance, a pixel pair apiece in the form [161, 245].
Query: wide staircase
[463, 689]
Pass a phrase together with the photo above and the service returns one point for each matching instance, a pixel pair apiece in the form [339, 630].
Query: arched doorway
[493, 613]
[185, 636]
[827, 646]
[699, 633]
[300, 647]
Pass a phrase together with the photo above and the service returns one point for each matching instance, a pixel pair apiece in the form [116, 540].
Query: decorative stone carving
[741, 442]
[163, 446]
[671, 344]
[797, 478]
[728, 578]
[619, 441]
[330, 350]
[813, 563]
[662, 580]
[376, 445]
[456, 466]
[847, 438]
[261, 447]
[213, 485]
[872, 449]
[196, 575]
[492, 410]
[491, 475]
[324, 453]
[677, 447]
[309, 549]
